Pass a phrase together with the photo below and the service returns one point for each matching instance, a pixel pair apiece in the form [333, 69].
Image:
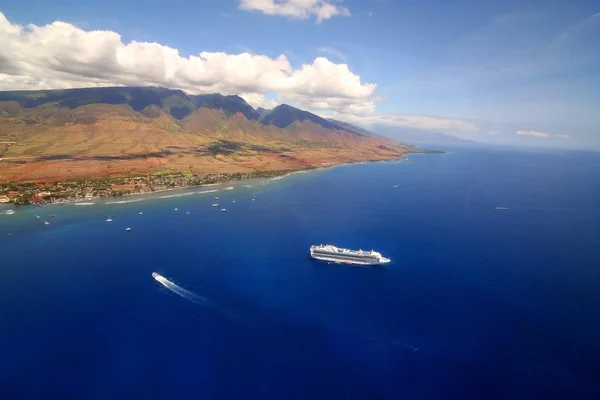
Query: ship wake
[186, 294]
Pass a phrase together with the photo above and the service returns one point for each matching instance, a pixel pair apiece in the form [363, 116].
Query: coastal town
[84, 190]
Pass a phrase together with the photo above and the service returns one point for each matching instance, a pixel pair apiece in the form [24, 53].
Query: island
[78, 144]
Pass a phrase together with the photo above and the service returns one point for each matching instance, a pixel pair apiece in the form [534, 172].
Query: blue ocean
[493, 291]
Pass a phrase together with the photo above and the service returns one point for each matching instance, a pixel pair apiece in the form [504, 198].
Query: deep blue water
[478, 303]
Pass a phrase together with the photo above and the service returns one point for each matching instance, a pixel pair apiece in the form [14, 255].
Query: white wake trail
[169, 196]
[186, 294]
[124, 201]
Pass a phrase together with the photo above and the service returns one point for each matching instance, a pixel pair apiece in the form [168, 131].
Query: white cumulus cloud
[534, 133]
[423, 122]
[299, 9]
[60, 55]
[258, 100]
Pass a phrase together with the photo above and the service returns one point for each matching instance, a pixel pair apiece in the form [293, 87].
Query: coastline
[272, 175]
[277, 175]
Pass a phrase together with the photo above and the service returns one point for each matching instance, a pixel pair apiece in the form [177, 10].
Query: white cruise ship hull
[331, 253]
[351, 261]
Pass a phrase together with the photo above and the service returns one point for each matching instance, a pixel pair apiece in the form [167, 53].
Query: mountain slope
[352, 128]
[83, 133]
[262, 112]
[284, 115]
[229, 104]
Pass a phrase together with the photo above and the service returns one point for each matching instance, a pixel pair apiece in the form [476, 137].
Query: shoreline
[276, 175]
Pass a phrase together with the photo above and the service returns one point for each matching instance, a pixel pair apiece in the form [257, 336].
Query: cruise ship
[331, 253]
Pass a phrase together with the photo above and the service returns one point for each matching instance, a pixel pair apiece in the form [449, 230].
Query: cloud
[424, 122]
[506, 53]
[258, 100]
[334, 52]
[60, 55]
[344, 106]
[543, 134]
[494, 133]
[534, 133]
[298, 9]
[576, 31]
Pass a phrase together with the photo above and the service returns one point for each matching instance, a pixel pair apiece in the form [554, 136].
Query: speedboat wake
[186, 294]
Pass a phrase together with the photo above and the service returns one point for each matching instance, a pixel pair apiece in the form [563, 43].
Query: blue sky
[477, 69]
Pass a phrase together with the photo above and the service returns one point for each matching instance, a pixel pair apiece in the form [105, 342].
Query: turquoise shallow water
[493, 292]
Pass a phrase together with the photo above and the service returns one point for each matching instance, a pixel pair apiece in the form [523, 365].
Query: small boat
[37, 216]
[187, 213]
[176, 209]
[109, 219]
[9, 212]
[46, 223]
[140, 213]
[215, 205]
[216, 198]
[223, 209]
[52, 215]
[233, 201]
[127, 229]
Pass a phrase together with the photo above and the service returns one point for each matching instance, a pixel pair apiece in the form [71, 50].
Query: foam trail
[186, 294]
[83, 204]
[229, 188]
[124, 201]
[207, 191]
[280, 177]
[175, 195]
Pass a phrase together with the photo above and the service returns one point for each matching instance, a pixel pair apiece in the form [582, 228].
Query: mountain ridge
[174, 101]
[60, 134]
[284, 115]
